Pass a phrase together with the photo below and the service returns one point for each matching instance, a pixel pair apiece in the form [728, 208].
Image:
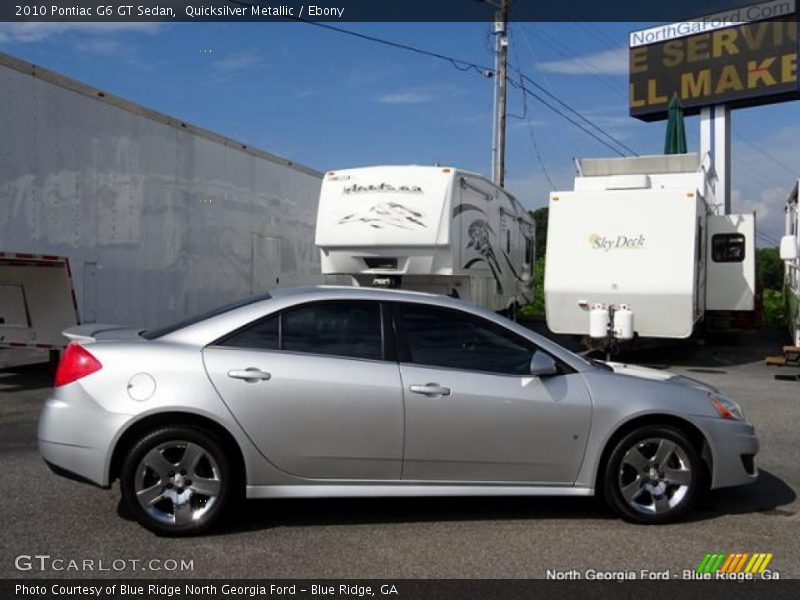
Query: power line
[773, 158]
[576, 113]
[526, 90]
[531, 133]
[461, 65]
[465, 65]
[768, 239]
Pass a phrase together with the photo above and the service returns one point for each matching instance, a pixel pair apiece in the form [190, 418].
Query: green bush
[773, 307]
[769, 268]
[535, 310]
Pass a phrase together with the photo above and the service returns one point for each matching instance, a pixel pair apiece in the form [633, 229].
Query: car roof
[352, 291]
[205, 332]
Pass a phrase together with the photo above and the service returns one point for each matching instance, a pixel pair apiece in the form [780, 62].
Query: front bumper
[734, 445]
[76, 435]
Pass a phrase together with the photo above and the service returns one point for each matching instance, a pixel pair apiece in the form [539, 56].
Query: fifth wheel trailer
[426, 228]
[146, 218]
[644, 237]
[790, 253]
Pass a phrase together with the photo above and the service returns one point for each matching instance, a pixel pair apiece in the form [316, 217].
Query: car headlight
[727, 409]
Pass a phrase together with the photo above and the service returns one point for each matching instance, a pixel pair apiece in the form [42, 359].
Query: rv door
[731, 262]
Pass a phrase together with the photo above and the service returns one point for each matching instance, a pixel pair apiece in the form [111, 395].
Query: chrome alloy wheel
[655, 475]
[177, 482]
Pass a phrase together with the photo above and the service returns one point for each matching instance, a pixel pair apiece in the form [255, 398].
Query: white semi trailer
[640, 249]
[790, 253]
[152, 217]
[430, 229]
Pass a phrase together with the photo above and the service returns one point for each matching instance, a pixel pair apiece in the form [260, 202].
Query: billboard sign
[744, 57]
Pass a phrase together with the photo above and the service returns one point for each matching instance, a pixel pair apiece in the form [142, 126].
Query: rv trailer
[640, 249]
[114, 213]
[790, 253]
[430, 229]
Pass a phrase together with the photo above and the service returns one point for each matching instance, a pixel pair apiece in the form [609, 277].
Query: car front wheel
[653, 475]
[177, 480]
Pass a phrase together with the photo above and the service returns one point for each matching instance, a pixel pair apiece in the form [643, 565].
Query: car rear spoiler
[87, 333]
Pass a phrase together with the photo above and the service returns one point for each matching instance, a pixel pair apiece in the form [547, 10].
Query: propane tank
[623, 322]
[598, 321]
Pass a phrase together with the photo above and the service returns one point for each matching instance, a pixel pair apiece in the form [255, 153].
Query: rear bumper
[734, 445]
[76, 436]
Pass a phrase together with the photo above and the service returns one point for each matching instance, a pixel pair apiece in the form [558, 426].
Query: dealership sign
[743, 57]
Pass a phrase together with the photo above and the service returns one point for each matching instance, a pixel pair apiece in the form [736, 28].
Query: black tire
[197, 509]
[660, 499]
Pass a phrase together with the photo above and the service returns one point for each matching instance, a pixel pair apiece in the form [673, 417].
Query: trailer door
[37, 301]
[731, 262]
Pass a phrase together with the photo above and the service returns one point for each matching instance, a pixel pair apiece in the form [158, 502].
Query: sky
[333, 101]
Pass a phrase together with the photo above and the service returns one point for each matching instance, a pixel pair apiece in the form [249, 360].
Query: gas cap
[141, 386]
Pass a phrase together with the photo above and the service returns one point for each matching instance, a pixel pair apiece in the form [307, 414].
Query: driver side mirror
[543, 365]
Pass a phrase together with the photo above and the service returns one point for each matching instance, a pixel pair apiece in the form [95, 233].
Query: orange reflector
[554, 198]
[446, 170]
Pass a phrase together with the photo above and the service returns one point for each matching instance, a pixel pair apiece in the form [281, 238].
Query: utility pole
[500, 91]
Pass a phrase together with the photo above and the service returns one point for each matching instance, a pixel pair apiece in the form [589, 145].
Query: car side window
[336, 328]
[261, 335]
[351, 329]
[455, 340]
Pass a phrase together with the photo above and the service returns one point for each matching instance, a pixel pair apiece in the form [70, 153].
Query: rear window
[152, 334]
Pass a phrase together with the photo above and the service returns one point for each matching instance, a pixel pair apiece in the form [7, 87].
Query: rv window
[453, 340]
[508, 241]
[727, 247]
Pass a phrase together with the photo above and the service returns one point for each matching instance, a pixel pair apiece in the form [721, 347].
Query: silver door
[314, 415]
[471, 425]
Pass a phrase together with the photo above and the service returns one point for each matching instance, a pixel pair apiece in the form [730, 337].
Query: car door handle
[430, 389]
[250, 375]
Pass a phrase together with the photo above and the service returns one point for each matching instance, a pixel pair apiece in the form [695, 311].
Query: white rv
[430, 229]
[790, 253]
[643, 240]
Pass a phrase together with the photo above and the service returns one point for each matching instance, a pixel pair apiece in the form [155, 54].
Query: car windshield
[151, 334]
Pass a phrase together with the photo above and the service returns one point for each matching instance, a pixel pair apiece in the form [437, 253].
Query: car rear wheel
[177, 480]
[653, 475]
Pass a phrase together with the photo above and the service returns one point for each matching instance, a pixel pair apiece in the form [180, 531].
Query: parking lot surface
[42, 514]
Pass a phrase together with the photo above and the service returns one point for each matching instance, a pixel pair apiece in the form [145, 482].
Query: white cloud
[235, 64]
[607, 62]
[407, 97]
[419, 95]
[29, 32]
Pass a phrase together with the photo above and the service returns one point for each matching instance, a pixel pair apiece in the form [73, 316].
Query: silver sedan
[331, 392]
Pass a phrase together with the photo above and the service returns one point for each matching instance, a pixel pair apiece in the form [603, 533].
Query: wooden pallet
[790, 358]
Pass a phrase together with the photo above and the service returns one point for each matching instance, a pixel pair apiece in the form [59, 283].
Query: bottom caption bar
[416, 589]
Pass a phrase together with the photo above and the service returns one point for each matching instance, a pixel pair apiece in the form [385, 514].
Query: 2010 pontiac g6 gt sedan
[332, 392]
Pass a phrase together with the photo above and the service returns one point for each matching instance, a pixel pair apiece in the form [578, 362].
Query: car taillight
[76, 363]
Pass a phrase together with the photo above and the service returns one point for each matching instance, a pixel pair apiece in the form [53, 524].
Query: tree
[540, 218]
[769, 268]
